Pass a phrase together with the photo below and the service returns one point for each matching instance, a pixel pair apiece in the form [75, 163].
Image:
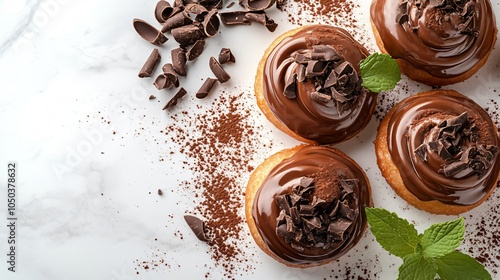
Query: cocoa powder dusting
[220, 153]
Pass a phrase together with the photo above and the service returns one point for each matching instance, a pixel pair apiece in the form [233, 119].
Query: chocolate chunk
[324, 53]
[283, 204]
[301, 73]
[179, 61]
[180, 19]
[211, 23]
[168, 79]
[196, 9]
[339, 97]
[172, 102]
[230, 5]
[218, 71]
[320, 97]
[338, 227]
[160, 192]
[226, 55]
[206, 88]
[150, 64]
[197, 226]
[294, 213]
[151, 97]
[331, 80]
[212, 4]
[344, 68]
[421, 151]
[290, 89]
[346, 211]
[281, 218]
[187, 34]
[270, 24]
[195, 50]
[306, 181]
[454, 168]
[315, 68]
[280, 4]
[163, 11]
[149, 33]
[179, 3]
[257, 5]
[259, 17]
[234, 18]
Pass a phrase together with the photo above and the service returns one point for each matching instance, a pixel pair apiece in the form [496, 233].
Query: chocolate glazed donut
[445, 149]
[307, 207]
[309, 81]
[447, 39]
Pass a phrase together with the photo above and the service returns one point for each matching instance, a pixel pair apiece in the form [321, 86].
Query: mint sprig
[426, 255]
[379, 72]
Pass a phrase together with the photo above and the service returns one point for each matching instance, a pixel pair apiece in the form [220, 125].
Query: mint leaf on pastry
[379, 72]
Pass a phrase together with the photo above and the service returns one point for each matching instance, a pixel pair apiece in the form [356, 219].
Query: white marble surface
[78, 123]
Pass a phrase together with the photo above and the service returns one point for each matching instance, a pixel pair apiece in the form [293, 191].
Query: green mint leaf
[379, 72]
[443, 238]
[394, 234]
[416, 267]
[459, 266]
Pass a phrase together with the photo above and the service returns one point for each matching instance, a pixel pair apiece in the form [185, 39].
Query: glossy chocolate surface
[415, 121]
[445, 42]
[311, 119]
[308, 160]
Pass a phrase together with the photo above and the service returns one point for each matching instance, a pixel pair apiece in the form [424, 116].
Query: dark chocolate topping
[197, 226]
[149, 33]
[445, 38]
[218, 71]
[314, 74]
[308, 221]
[172, 102]
[150, 64]
[206, 88]
[446, 152]
[310, 207]
[226, 55]
[163, 11]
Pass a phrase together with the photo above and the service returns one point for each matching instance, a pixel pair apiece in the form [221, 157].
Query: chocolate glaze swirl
[310, 119]
[415, 122]
[445, 38]
[308, 160]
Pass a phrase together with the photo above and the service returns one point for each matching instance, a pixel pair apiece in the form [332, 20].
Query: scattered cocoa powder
[220, 143]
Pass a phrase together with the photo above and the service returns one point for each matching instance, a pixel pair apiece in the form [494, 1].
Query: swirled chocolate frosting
[445, 147]
[312, 84]
[445, 38]
[310, 208]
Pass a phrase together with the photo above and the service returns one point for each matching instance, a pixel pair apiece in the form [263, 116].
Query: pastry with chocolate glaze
[436, 42]
[439, 151]
[308, 85]
[305, 205]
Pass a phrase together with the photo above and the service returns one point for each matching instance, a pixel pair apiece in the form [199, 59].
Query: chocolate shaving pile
[307, 221]
[190, 23]
[332, 76]
[456, 143]
[460, 13]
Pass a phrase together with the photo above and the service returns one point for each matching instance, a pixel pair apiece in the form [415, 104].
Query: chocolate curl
[187, 34]
[179, 3]
[168, 79]
[206, 88]
[163, 11]
[172, 102]
[226, 55]
[218, 71]
[180, 19]
[197, 226]
[234, 18]
[211, 4]
[257, 5]
[148, 32]
[262, 18]
[195, 50]
[196, 9]
[150, 64]
[211, 23]
[179, 61]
